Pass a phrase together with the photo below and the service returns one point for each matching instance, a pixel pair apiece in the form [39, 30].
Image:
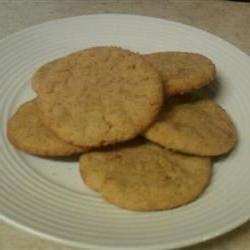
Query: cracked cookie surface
[98, 96]
[194, 125]
[144, 176]
[182, 72]
[26, 132]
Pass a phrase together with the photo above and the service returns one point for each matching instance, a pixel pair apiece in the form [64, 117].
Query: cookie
[144, 176]
[182, 72]
[99, 96]
[193, 125]
[27, 133]
[42, 72]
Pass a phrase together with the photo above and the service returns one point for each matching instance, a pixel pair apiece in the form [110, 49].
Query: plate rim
[76, 244]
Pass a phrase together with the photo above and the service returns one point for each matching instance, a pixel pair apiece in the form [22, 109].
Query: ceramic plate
[47, 197]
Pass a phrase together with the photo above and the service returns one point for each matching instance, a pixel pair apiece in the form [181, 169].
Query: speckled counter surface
[227, 19]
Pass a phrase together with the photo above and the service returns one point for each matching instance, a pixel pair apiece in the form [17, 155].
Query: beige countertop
[227, 19]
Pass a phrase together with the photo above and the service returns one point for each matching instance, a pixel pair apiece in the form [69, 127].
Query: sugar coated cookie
[144, 176]
[26, 132]
[99, 96]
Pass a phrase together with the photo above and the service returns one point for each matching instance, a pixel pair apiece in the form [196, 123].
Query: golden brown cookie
[27, 133]
[42, 72]
[99, 96]
[144, 176]
[182, 72]
[193, 125]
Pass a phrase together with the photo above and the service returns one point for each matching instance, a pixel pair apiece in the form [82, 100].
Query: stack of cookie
[147, 141]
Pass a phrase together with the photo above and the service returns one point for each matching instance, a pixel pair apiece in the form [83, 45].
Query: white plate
[47, 197]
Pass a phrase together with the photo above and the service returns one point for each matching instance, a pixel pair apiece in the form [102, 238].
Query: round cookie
[38, 77]
[193, 125]
[182, 72]
[144, 176]
[99, 96]
[26, 132]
